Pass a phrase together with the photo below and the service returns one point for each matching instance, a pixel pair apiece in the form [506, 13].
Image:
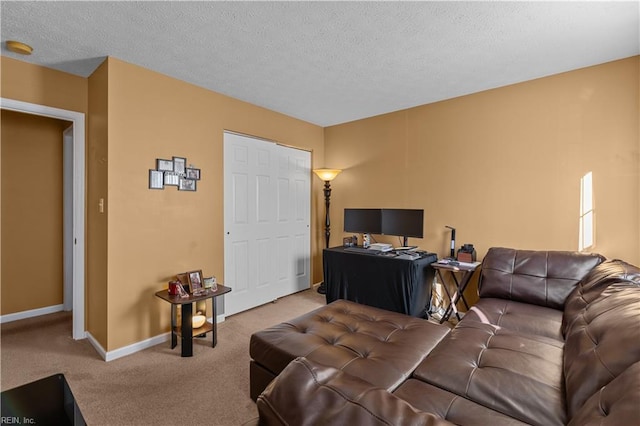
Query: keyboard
[362, 250]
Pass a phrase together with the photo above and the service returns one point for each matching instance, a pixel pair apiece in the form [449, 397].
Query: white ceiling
[329, 62]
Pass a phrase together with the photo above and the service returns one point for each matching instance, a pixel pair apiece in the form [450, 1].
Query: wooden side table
[186, 331]
[467, 270]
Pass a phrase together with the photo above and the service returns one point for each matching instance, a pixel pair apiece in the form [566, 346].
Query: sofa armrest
[308, 393]
[542, 278]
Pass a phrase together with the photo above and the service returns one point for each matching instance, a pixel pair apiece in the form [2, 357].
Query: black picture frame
[179, 165]
[171, 179]
[191, 173]
[187, 185]
[163, 165]
[156, 179]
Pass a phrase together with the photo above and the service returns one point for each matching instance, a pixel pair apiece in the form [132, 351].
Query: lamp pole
[327, 175]
[327, 220]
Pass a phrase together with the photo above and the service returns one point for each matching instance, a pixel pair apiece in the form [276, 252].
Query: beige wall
[30, 83]
[96, 286]
[31, 212]
[42, 86]
[145, 237]
[152, 235]
[504, 166]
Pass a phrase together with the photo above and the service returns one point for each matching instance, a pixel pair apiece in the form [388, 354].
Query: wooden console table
[185, 331]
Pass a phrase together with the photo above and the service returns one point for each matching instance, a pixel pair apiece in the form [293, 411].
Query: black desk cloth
[398, 285]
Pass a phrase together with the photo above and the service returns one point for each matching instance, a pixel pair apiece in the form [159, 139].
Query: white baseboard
[135, 347]
[31, 313]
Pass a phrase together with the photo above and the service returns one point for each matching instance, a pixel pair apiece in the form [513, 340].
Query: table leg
[174, 325]
[456, 295]
[214, 323]
[446, 314]
[187, 330]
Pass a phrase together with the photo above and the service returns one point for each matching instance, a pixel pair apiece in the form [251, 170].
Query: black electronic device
[363, 221]
[404, 223]
[453, 240]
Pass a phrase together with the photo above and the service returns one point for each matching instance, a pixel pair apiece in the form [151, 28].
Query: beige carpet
[155, 386]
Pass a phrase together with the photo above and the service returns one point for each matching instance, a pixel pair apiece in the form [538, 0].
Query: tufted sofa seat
[553, 340]
[382, 347]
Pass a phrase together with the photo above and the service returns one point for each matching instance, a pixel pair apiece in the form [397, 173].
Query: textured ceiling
[329, 62]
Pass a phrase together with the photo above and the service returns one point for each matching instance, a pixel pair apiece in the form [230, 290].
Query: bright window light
[587, 213]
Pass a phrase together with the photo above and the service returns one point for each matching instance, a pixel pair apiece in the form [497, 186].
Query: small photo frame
[156, 180]
[195, 281]
[164, 165]
[179, 164]
[192, 173]
[187, 185]
[184, 280]
[171, 178]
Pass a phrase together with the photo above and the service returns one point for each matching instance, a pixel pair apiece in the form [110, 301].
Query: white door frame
[67, 228]
[78, 210]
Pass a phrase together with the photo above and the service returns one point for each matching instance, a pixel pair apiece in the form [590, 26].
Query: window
[587, 213]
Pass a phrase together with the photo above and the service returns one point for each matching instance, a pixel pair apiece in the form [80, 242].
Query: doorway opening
[74, 211]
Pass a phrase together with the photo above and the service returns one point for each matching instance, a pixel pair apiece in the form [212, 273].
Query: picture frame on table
[191, 173]
[156, 179]
[184, 280]
[195, 281]
[179, 165]
[163, 165]
[187, 185]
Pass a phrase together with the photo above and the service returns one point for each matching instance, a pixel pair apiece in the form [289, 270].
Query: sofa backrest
[615, 404]
[542, 278]
[592, 285]
[309, 393]
[603, 340]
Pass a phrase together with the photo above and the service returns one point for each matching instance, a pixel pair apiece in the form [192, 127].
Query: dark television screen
[403, 222]
[363, 221]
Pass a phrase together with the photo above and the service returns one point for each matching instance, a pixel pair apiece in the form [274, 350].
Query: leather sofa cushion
[542, 278]
[518, 317]
[450, 406]
[382, 347]
[515, 374]
[603, 341]
[616, 404]
[593, 284]
[307, 393]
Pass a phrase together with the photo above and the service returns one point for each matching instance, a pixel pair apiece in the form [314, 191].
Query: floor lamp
[327, 175]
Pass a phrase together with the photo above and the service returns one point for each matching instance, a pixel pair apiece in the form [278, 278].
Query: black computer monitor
[363, 221]
[403, 223]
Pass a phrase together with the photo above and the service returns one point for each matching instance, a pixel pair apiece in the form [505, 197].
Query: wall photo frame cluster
[174, 172]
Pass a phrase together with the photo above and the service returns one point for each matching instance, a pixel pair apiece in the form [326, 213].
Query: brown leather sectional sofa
[553, 340]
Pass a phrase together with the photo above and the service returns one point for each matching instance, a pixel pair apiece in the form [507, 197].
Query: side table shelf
[206, 328]
[185, 330]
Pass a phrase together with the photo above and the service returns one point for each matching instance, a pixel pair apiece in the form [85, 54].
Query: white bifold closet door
[267, 192]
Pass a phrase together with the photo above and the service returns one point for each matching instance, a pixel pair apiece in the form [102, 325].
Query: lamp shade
[327, 174]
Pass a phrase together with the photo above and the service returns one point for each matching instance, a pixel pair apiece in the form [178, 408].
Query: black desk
[47, 401]
[397, 285]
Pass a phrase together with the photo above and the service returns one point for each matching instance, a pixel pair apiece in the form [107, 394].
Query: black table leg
[174, 326]
[187, 330]
[214, 323]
